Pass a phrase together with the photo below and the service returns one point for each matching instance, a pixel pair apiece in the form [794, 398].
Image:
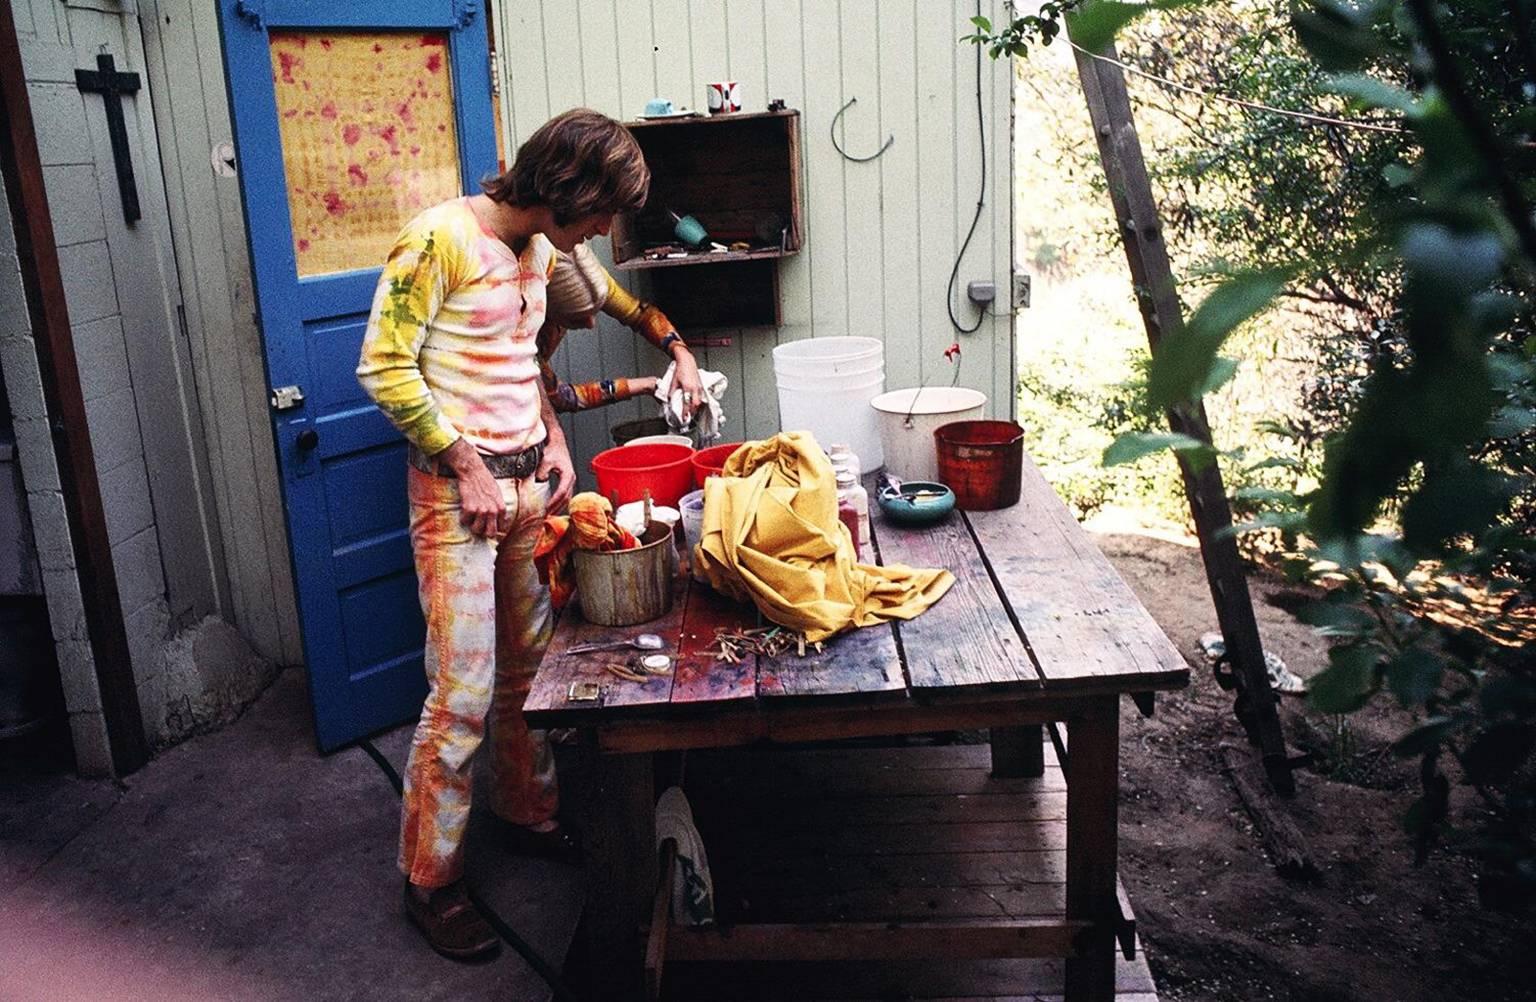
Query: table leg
[1093, 790]
[1018, 752]
[619, 841]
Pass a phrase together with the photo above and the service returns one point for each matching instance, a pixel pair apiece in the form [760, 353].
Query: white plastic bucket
[907, 443]
[875, 373]
[828, 356]
[836, 413]
[661, 440]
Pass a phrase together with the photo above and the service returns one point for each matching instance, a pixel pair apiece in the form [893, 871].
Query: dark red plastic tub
[982, 462]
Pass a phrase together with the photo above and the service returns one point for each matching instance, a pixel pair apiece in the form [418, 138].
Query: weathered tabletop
[1038, 628]
[1036, 609]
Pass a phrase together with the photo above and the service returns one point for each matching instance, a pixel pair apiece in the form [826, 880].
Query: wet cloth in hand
[589, 526]
[708, 415]
[771, 536]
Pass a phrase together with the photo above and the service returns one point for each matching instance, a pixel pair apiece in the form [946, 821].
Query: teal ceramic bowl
[919, 502]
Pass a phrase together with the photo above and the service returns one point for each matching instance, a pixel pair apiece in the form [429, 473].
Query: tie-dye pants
[488, 622]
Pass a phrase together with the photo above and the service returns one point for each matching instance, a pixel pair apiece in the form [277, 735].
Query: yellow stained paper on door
[368, 136]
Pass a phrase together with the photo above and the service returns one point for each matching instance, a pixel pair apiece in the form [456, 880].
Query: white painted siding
[880, 237]
[144, 408]
[186, 81]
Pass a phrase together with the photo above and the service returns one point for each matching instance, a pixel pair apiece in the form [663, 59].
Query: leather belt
[513, 466]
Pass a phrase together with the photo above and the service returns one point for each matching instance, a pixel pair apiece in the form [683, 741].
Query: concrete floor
[242, 865]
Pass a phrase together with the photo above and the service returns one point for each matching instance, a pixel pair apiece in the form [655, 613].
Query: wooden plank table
[1039, 628]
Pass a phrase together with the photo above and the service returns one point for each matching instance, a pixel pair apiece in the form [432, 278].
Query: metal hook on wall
[838, 146]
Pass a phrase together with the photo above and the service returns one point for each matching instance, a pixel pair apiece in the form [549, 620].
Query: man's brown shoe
[452, 924]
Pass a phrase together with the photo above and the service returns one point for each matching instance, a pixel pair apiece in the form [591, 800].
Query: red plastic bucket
[626, 473]
[982, 462]
[709, 462]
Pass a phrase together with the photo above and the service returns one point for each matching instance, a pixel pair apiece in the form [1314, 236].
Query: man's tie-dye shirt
[451, 348]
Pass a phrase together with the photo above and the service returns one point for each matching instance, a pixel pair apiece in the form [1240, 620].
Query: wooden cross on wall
[112, 85]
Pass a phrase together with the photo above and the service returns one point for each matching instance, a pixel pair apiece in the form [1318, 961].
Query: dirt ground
[1216, 921]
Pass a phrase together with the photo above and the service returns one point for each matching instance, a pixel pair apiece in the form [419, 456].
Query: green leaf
[1097, 22]
[1222, 371]
[1413, 676]
[983, 24]
[1454, 499]
[1335, 615]
[1130, 447]
[1337, 35]
[1374, 93]
[1284, 462]
[1285, 521]
[1426, 737]
[1348, 681]
[1184, 362]
[1499, 753]
[1511, 421]
[1265, 495]
[1397, 175]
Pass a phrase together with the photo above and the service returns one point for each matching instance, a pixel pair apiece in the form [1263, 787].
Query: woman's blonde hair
[578, 287]
[579, 164]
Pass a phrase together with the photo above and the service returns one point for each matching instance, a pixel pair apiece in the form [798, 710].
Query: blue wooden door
[349, 119]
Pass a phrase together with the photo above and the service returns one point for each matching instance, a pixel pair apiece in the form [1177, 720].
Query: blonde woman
[578, 288]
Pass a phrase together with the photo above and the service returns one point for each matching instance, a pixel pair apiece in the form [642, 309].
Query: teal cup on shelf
[658, 106]
[690, 231]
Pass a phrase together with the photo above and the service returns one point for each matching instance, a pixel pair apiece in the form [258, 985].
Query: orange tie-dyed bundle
[589, 526]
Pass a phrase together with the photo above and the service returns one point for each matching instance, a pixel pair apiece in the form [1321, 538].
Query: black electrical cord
[541, 967]
[981, 200]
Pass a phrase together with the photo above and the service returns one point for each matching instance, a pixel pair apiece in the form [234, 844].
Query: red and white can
[724, 97]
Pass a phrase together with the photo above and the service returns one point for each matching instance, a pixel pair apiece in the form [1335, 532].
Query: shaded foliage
[1416, 236]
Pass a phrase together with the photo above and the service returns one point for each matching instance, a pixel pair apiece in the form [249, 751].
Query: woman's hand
[643, 384]
[686, 378]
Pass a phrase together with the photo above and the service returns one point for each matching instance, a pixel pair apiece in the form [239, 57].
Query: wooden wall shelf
[738, 175]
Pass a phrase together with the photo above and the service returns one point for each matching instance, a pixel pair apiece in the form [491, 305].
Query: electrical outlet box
[981, 292]
[1020, 290]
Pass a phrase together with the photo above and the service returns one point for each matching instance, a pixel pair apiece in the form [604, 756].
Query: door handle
[308, 439]
[286, 398]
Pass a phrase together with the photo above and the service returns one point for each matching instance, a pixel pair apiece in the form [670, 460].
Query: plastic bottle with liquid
[844, 460]
[852, 493]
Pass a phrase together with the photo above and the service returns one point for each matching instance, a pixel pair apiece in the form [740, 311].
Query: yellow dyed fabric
[772, 537]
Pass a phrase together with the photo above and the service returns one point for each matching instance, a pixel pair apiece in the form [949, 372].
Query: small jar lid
[656, 664]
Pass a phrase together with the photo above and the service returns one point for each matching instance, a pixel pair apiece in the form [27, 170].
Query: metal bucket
[626, 587]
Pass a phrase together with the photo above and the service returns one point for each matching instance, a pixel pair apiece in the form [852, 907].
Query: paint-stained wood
[552, 685]
[992, 654]
[701, 679]
[1083, 623]
[858, 662]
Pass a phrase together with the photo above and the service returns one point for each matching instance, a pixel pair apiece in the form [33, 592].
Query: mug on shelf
[724, 97]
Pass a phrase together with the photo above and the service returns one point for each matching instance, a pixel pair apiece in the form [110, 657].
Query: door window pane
[368, 140]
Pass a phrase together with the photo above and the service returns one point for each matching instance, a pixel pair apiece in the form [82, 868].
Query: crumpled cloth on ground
[708, 415]
[693, 892]
[589, 526]
[771, 536]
